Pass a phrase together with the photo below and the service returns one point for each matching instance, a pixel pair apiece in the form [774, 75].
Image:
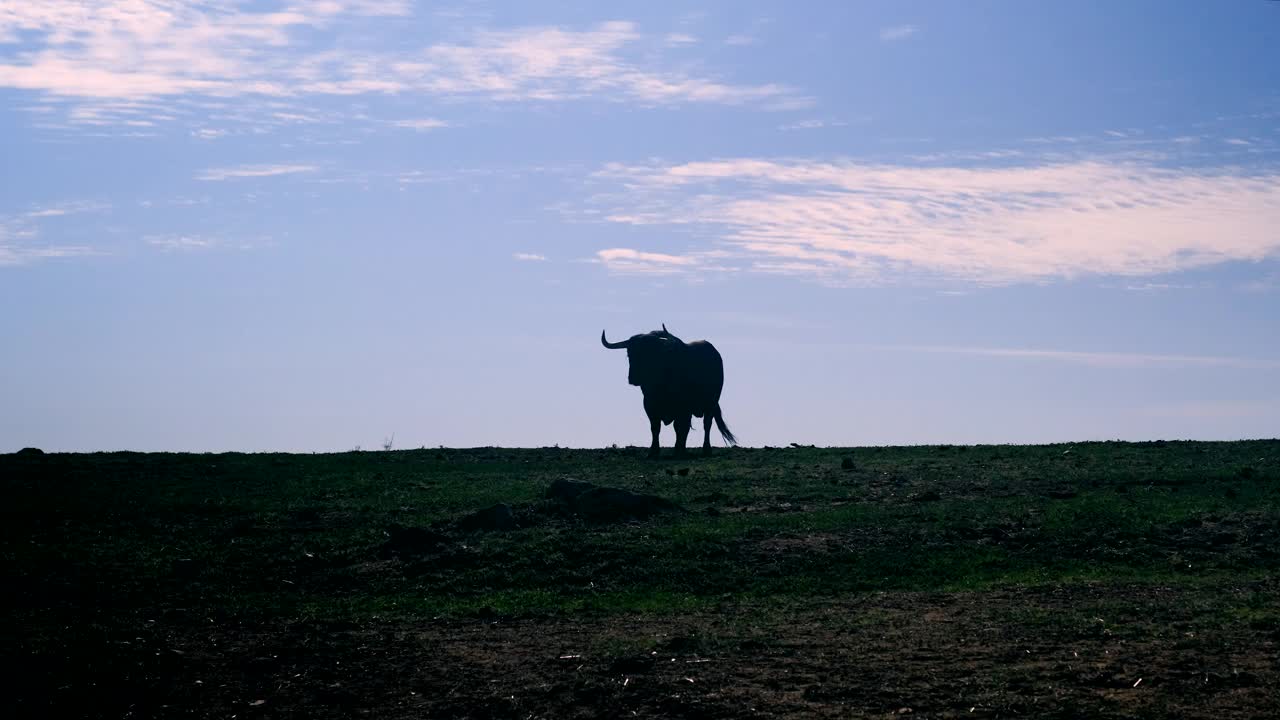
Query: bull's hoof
[706, 451]
[679, 453]
[654, 454]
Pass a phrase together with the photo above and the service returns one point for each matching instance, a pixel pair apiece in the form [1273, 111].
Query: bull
[679, 380]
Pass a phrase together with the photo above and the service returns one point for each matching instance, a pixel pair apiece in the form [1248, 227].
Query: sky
[317, 225]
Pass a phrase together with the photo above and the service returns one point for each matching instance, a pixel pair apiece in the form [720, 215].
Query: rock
[605, 505]
[567, 489]
[631, 665]
[565, 498]
[497, 517]
[30, 451]
[412, 541]
[186, 568]
[682, 645]
[1221, 538]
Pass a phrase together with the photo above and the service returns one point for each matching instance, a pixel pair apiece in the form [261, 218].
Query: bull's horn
[613, 346]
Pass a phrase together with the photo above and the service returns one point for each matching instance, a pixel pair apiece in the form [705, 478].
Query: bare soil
[1084, 651]
[1101, 581]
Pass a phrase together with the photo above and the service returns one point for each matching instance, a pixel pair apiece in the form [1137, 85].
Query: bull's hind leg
[682, 434]
[707, 421]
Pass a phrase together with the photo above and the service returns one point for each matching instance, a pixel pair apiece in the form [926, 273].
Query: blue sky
[307, 225]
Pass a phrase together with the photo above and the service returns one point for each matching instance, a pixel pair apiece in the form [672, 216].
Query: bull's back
[708, 371]
[693, 391]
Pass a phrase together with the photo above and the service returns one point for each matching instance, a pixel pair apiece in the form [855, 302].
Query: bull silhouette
[679, 380]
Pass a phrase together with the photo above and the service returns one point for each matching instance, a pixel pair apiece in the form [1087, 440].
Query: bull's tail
[724, 429]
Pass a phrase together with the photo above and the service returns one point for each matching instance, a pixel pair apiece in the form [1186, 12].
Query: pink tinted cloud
[1030, 223]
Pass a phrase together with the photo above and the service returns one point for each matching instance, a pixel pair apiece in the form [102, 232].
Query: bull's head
[650, 355]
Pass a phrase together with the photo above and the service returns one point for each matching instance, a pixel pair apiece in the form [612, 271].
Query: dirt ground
[1088, 651]
[1099, 581]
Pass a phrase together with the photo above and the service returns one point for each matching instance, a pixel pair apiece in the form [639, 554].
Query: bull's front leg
[655, 425]
[682, 433]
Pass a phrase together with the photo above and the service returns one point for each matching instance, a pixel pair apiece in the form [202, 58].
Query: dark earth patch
[1108, 580]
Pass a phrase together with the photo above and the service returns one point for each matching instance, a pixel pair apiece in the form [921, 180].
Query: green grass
[298, 535]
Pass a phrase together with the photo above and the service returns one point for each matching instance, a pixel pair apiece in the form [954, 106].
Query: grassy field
[1084, 580]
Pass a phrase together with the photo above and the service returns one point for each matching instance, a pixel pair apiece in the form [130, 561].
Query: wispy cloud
[1150, 287]
[421, 124]
[898, 32]
[11, 255]
[530, 257]
[627, 260]
[751, 36]
[550, 63]
[254, 171]
[48, 212]
[181, 243]
[693, 266]
[123, 60]
[1097, 359]
[20, 242]
[679, 39]
[124, 49]
[1267, 284]
[812, 124]
[61, 209]
[22, 236]
[863, 223]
